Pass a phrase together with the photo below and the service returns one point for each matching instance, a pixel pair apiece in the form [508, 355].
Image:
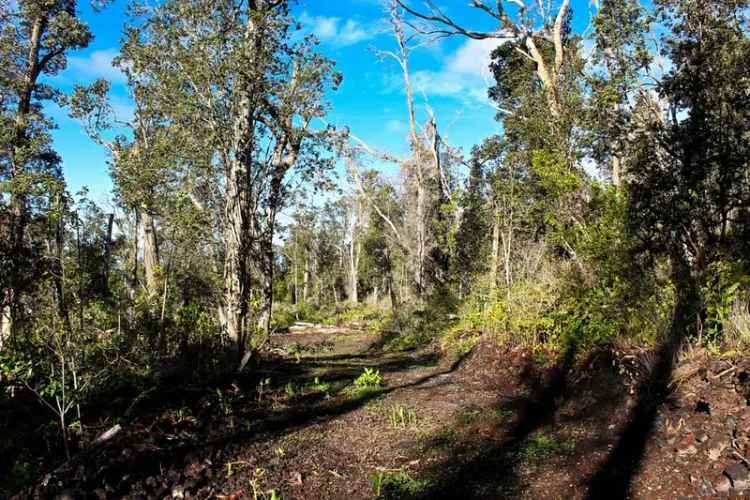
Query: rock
[701, 437]
[723, 485]
[178, 492]
[738, 475]
[686, 446]
[707, 488]
[716, 448]
[687, 451]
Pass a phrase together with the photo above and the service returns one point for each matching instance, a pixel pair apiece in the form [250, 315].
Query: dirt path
[435, 429]
[497, 424]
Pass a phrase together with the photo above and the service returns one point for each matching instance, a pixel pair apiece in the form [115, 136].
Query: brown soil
[496, 424]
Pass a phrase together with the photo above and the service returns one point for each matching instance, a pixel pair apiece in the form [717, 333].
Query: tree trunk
[306, 279]
[5, 326]
[107, 256]
[150, 254]
[58, 268]
[495, 263]
[236, 245]
[353, 274]
[18, 191]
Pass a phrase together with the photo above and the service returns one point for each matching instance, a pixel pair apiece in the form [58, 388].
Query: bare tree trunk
[150, 254]
[306, 279]
[236, 245]
[134, 254]
[5, 325]
[353, 271]
[107, 255]
[495, 263]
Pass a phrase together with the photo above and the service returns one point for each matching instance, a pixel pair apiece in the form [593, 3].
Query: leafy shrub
[369, 378]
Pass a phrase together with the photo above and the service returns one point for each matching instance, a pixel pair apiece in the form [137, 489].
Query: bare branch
[557, 35]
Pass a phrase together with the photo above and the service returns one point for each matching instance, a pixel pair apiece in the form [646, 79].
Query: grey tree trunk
[150, 254]
[238, 215]
[495, 263]
[107, 255]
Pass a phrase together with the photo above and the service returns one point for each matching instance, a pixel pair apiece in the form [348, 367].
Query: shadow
[613, 478]
[152, 446]
[482, 468]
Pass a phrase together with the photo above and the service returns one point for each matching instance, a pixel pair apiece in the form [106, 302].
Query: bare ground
[496, 424]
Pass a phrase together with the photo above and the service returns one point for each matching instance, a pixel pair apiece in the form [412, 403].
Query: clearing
[495, 424]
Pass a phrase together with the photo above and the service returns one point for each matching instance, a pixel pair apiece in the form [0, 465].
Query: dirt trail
[497, 424]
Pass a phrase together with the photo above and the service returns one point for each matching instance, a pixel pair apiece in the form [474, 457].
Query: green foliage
[539, 448]
[399, 416]
[720, 291]
[318, 386]
[397, 485]
[370, 378]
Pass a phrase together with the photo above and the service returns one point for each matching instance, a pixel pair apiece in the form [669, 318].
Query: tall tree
[689, 193]
[35, 37]
[232, 73]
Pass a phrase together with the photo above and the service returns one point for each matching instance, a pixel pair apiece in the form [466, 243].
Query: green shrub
[368, 379]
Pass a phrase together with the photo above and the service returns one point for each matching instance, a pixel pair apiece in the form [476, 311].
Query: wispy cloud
[395, 126]
[97, 64]
[337, 31]
[464, 73]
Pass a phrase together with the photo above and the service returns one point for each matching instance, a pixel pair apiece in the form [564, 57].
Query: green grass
[397, 485]
[400, 416]
[540, 447]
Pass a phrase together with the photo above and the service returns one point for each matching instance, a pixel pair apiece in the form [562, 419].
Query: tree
[688, 190]
[35, 37]
[231, 72]
[536, 25]
[621, 60]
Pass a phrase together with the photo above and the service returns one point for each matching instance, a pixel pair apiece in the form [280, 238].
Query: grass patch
[397, 485]
[541, 447]
[400, 416]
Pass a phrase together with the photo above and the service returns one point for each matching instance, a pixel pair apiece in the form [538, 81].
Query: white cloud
[464, 74]
[473, 57]
[335, 30]
[97, 64]
[395, 126]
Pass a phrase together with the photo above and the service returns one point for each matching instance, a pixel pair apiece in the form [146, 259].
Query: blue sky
[452, 75]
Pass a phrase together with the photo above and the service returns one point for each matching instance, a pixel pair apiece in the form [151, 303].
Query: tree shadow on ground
[148, 446]
[613, 478]
[486, 468]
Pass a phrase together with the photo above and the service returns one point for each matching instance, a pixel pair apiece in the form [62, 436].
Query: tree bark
[237, 210]
[495, 263]
[19, 212]
[150, 254]
[107, 256]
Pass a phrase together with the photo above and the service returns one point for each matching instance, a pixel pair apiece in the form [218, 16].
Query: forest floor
[496, 424]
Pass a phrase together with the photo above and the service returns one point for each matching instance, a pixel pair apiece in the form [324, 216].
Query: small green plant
[259, 493]
[369, 378]
[263, 387]
[541, 447]
[400, 416]
[397, 485]
[318, 386]
[290, 389]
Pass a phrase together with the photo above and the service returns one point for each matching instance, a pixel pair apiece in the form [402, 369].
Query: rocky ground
[497, 424]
